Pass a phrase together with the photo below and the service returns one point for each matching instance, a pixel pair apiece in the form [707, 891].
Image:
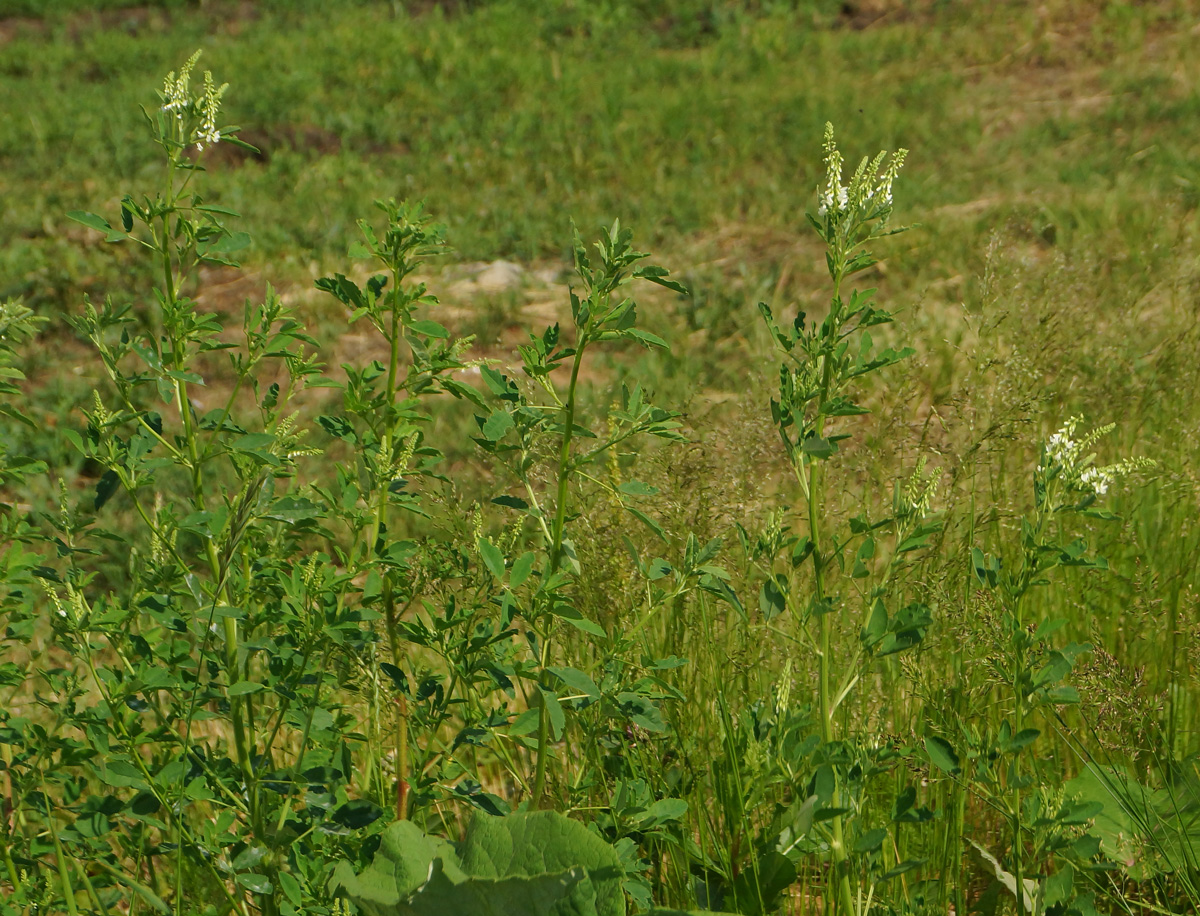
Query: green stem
[815, 491]
[230, 626]
[556, 552]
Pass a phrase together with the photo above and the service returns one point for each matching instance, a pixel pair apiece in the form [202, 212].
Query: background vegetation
[1053, 181]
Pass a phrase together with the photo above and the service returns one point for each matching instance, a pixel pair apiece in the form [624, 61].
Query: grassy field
[1034, 720]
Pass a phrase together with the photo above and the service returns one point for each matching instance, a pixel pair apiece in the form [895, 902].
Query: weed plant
[281, 656]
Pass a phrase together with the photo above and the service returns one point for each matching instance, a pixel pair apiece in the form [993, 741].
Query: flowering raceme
[869, 191]
[196, 116]
[1067, 462]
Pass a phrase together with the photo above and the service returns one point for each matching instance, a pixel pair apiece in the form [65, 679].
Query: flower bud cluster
[919, 492]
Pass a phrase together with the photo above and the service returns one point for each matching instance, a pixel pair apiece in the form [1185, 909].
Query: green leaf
[941, 754]
[771, 599]
[227, 244]
[400, 866]
[905, 866]
[1022, 739]
[646, 338]
[756, 891]
[647, 521]
[91, 220]
[1058, 886]
[291, 888]
[665, 810]
[577, 620]
[554, 710]
[510, 502]
[546, 842]
[252, 442]
[493, 559]
[637, 488]
[497, 425]
[338, 427]
[242, 688]
[816, 447]
[521, 568]
[517, 895]
[107, 486]
[293, 509]
[357, 814]
[870, 841]
[255, 883]
[429, 329]
[524, 724]
[577, 681]
[877, 623]
[1006, 878]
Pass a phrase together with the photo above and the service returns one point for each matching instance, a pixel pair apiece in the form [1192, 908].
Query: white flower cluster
[1097, 478]
[868, 188]
[176, 94]
[209, 105]
[1068, 459]
[177, 98]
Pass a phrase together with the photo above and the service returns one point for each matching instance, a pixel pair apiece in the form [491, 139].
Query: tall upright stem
[816, 491]
[387, 456]
[556, 553]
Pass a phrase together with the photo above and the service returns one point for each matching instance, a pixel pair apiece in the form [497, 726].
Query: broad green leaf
[941, 754]
[646, 338]
[1006, 878]
[576, 680]
[554, 711]
[91, 220]
[401, 865]
[771, 599]
[577, 620]
[291, 888]
[516, 895]
[496, 426]
[870, 841]
[637, 488]
[521, 568]
[109, 483]
[255, 882]
[544, 842]
[647, 521]
[493, 559]
[757, 890]
[429, 329]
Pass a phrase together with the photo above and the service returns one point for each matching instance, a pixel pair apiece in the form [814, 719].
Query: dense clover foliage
[270, 663]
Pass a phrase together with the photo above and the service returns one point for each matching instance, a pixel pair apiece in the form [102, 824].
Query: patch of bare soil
[13, 27]
[226, 17]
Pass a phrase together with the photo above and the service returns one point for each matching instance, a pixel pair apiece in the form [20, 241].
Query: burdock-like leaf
[398, 870]
[544, 842]
[534, 864]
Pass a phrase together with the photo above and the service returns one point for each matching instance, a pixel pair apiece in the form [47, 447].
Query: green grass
[1053, 270]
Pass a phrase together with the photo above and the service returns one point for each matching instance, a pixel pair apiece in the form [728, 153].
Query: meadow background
[1054, 270]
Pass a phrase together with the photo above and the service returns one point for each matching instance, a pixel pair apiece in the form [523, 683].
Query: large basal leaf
[516, 895]
[533, 864]
[542, 842]
[401, 866]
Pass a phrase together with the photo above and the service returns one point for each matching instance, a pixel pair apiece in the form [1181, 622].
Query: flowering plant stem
[556, 551]
[812, 478]
[814, 389]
